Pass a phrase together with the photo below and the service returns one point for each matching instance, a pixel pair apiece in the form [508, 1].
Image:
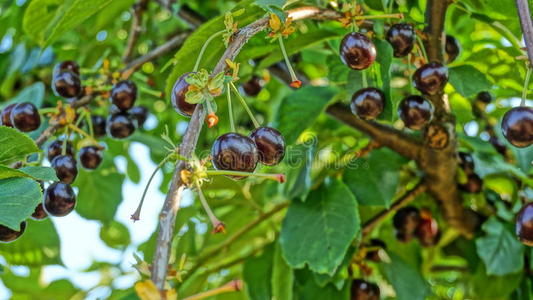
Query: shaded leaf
[406, 280]
[18, 198]
[476, 82]
[257, 274]
[14, 145]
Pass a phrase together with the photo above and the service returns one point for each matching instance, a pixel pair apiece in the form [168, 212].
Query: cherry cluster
[59, 197]
[411, 222]
[473, 182]
[364, 290]
[233, 151]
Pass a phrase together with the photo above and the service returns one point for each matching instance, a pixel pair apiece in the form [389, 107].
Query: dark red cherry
[59, 199]
[517, 126]
[402, 38]
[54, 149]
[98, 125]
[124, 94]
[68, 65]
[406, 221]
[415, 111]
[39, 213]
[466, 162]
[6, 115]
[484, 97]
[270, 145]
[452, 48]
[377, 245]
[364, 290]
[357, 51]
[430, 78]
[140, 113]
[25, 117]
[235, 152]
[66, 84]
[427, 231]
[66, 168]
[8, 235]
[473, 184]
[368, 103]
[178, 97]
[90, 157]
[524, 224]
[253, 86]
[120, 125]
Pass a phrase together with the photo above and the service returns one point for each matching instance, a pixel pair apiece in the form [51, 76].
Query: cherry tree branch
[135, 31]
[524, 14]
[232, 286]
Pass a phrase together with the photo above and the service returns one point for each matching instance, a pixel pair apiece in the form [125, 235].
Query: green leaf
[46, 20]
[33, 94]
[257, 274]
[476, 82]
[384, 58]
[185, 58]
[499, 249]
[267, 5]
[308, 289]
[406, 280]
[493, 287]
[300, 159]
[18, 199]
[115, 235]
[14, 145]
[39, 245]
[100, 193]
[132, 170]
[374, 180]
[282, 276]
[303, 105]
[37, 173]
[319, 231]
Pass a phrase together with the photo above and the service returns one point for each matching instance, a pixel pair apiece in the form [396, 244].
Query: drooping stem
[365, 82]
[230, 108]
[89, 123]
[526, 86]
[277, 177]
[218, 226]
[244, 105]
[65, 141]
[421, 46]
[409, 70]
[232, 286]
[286, 57]
[204, 47]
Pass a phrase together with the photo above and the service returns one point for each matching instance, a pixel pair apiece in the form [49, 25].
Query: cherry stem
[365, 82]
[421, 47]
[243, 102]
[232, 286]
[209, 107]
[286, 57]
[385, 16]
[85, 134]
[277, 177]
[90, 124]
[204, 47]
[47, 110]
[64, 145]
[148, 91]
[214, 220]
[526, 85]
[409, 67]
[230, 108]
[137, 214]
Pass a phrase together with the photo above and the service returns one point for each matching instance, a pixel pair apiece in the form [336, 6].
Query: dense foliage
[377, 180]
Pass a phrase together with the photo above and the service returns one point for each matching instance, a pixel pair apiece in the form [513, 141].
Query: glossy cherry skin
[6, 115]
[90, 157]
[427, 232]
[66, 168]
[236, 152]
[364, 290]
[39, 213]
[473, 184]
[55, 149]
[25, 117]
[415, 111]
[270, 144]
[466, 162]
[484, 97]
[99, 125]
[66, 84]
[430, 78]
[178, 97]
[357, 51]
[524, 224]
[517, 126]
[368, 103]
[8, 235]
[253, 86]
[140, 113]
[402, 38]
[69, 65]
[124, 94]
[120, 125]
[59, 199]
[452, 48]
[406, 221]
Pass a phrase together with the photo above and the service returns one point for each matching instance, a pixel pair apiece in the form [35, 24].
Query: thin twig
[232, 286]
[136, 27]
[527, 26]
